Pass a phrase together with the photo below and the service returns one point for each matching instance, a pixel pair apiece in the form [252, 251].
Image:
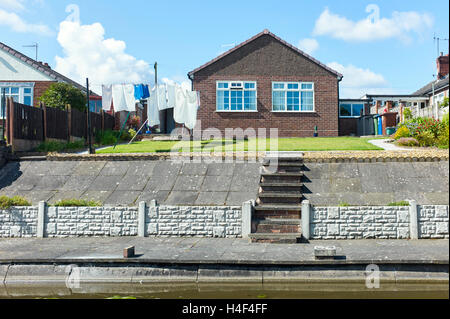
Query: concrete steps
[277, 216]
[275, 238]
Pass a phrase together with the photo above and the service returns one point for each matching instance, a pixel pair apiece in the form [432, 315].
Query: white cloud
[88, 54]
[17, 24]
[185, 84]
[308, 45]
[400, 25]
[15, 5]
[358, 81]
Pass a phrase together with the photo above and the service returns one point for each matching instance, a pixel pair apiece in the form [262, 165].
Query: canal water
[229, 291]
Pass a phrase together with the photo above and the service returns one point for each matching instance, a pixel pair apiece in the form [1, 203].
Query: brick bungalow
[26, 79]
[266, 82]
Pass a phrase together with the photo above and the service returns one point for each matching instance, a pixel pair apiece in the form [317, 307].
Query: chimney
[442, 65]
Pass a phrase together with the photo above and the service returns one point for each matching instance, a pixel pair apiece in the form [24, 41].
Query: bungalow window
[20, 94]
[235, 96]
[292, 97]
[351, 109]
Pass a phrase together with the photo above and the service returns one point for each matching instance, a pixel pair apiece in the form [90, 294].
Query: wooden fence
[37, 124]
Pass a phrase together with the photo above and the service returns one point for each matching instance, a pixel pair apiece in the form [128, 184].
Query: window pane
[345, 109]
[357, 109]
[14, 90]
[223, 85]
[307, 101]
[27, 100]
[250, 100]
[306, 86]
[293, 101]
[249, 85]
[278, 101]
[27, 90]
[292, 86]
[278, 85]
[223, 100]
[236, 100]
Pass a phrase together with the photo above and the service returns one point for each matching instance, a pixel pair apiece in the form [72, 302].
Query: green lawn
[284, 144]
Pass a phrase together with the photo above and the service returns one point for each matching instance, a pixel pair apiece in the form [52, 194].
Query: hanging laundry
[170, 93]
[118, 98]
[162, 97]
[191, 109]
[180, 109]
[141, 91]
[152, 108]
[106, 97]
[128, 92]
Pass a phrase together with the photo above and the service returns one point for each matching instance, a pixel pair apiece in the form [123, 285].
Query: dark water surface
[230, 291]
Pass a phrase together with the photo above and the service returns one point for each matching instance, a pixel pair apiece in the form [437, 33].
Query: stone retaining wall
[381, 222]
[164, 221]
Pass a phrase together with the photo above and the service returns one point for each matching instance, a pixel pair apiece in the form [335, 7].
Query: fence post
[44, 117]
[69, 122]
[11, 121]
[102, 113]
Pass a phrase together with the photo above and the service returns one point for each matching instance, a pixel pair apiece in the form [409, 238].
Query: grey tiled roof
[427, 89]
[41, 67]
[278, 39]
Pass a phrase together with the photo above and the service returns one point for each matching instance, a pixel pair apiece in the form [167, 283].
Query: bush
[344, 204]
[400, 203]
[132, 132]
[53, 146]
[77, 203]
[426, 138]
[443, 138]
[407, 141]
[60, 94]
[7, 202]
[107, 137]
[402, 131]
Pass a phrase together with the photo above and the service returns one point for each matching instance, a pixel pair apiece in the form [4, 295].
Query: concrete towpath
[388, 146]
[219, 251]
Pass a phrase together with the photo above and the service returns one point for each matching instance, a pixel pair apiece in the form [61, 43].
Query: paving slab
[211, 198]
[89, 168]
[115, 168]
[181, 198]
[105, 183]
[133, 182]
[188, 183]
[216, 184]
[147, 196]
[122, 198]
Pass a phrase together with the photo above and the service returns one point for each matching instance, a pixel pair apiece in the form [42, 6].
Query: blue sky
[391, 51]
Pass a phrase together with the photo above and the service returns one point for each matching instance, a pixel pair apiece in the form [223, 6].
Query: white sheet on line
[130, 100]
[106, 97]
[119, 98]
[152, 108]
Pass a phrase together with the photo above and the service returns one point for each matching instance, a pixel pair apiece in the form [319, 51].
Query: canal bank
[207, 260]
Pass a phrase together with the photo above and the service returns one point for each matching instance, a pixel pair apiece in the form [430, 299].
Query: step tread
[278, 207]
[281, 184]
[281, 194]
[282, 174]
[278, 221]
[275, 235]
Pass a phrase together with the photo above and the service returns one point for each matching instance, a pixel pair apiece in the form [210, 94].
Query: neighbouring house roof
[266, 32]
[438, 85]
[395, 96]
[41, 67]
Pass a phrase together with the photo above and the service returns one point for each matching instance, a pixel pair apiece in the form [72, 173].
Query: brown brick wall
[265, 60]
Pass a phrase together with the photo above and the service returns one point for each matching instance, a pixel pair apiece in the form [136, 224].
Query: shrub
[426, 138]
[402, 131]
[60, 94]
[107, 137]
[400, 203]
[407, 141]
[443, 138]
[132, 132]
[7, 202]
[429, 125]
[77, 203]
[53, 146]
[444, 103]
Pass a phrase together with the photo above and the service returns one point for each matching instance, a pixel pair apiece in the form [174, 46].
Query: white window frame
[351, 116]
[243, 96]
[21, 86]
[299, 90]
